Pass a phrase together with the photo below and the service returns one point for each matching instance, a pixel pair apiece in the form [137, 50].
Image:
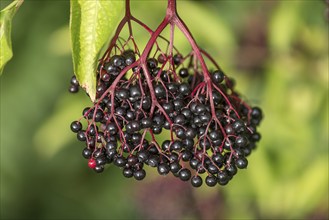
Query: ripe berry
[185, 174]
[99, 169]
[127, 172]
[196, 181]
[241, 163]
[139, 174]
[211, 181]
[76, 126]
[163, 169]
[183, 72]
[218, 76]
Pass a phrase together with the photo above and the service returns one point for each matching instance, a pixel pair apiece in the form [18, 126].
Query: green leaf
[6, 15]
[91, 24]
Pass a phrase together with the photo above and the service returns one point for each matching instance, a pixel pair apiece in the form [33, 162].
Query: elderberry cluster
[157, 107]
[208, 133]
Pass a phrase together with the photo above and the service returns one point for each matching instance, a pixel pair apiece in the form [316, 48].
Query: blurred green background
[276, 50]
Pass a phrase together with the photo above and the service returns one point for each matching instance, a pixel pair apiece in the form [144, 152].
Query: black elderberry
[177, 145]
[111, 69]
[256, 137]
[86, 153]
[175, 167]
[177, 59]
[186, 155]
[190, 133]
[212, 169]
[159, 91]
[163, 169]
[111, 145]
[120, 161]
[153, 161]
[241, 141]
[211, 181]
[146, 123]
[256, 112]
[194, 163]
[99, 115]
[99, 169]
[135, 91]
[153, 150]
[74, 81]
[73, 89]
[152, 63]
[132, 126]
[129, 58]
[132, 160]
[187, 113]
[112, 128]
[122, 94]
[130, 115]
[218, 76]
[238, 126]
[229, 129]
[100, 161]
[231, 169]
[157, 130]
[188, 143]
[172, 87]
[241, 163]
[184, 89]
[81, 136]
[222, 178]
[184, 174]
[136, 138]
[180, 132]
[168, 107]
[93, 129]
[142, 156]
[165, 76]
[127, 172]
[117, 60]
[110, 154]
[166, 125]
[139, 174]
[173, 156]
[183, 72]
[196, 181]
[76, 126]
[178, 104]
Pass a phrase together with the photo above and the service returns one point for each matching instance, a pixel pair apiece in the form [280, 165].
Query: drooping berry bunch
[166, 110]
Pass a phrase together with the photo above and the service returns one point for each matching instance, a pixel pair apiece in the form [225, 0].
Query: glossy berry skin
[218, 76]
[184, 174]
[76, 126]
[196, 181]
[163, 169]
[92, 163]
[211, 181]
[183, 72]
[127, 172]
[139, 174]
[241, 163]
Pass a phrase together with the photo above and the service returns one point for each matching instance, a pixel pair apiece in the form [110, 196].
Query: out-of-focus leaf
[55, 132]
[283, 25]
[91, 24]
[6, 15]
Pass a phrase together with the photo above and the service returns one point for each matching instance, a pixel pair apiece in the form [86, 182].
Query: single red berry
[91, 163]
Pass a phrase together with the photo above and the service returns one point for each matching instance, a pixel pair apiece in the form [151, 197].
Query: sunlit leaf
[91, 24]
[6, 16]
